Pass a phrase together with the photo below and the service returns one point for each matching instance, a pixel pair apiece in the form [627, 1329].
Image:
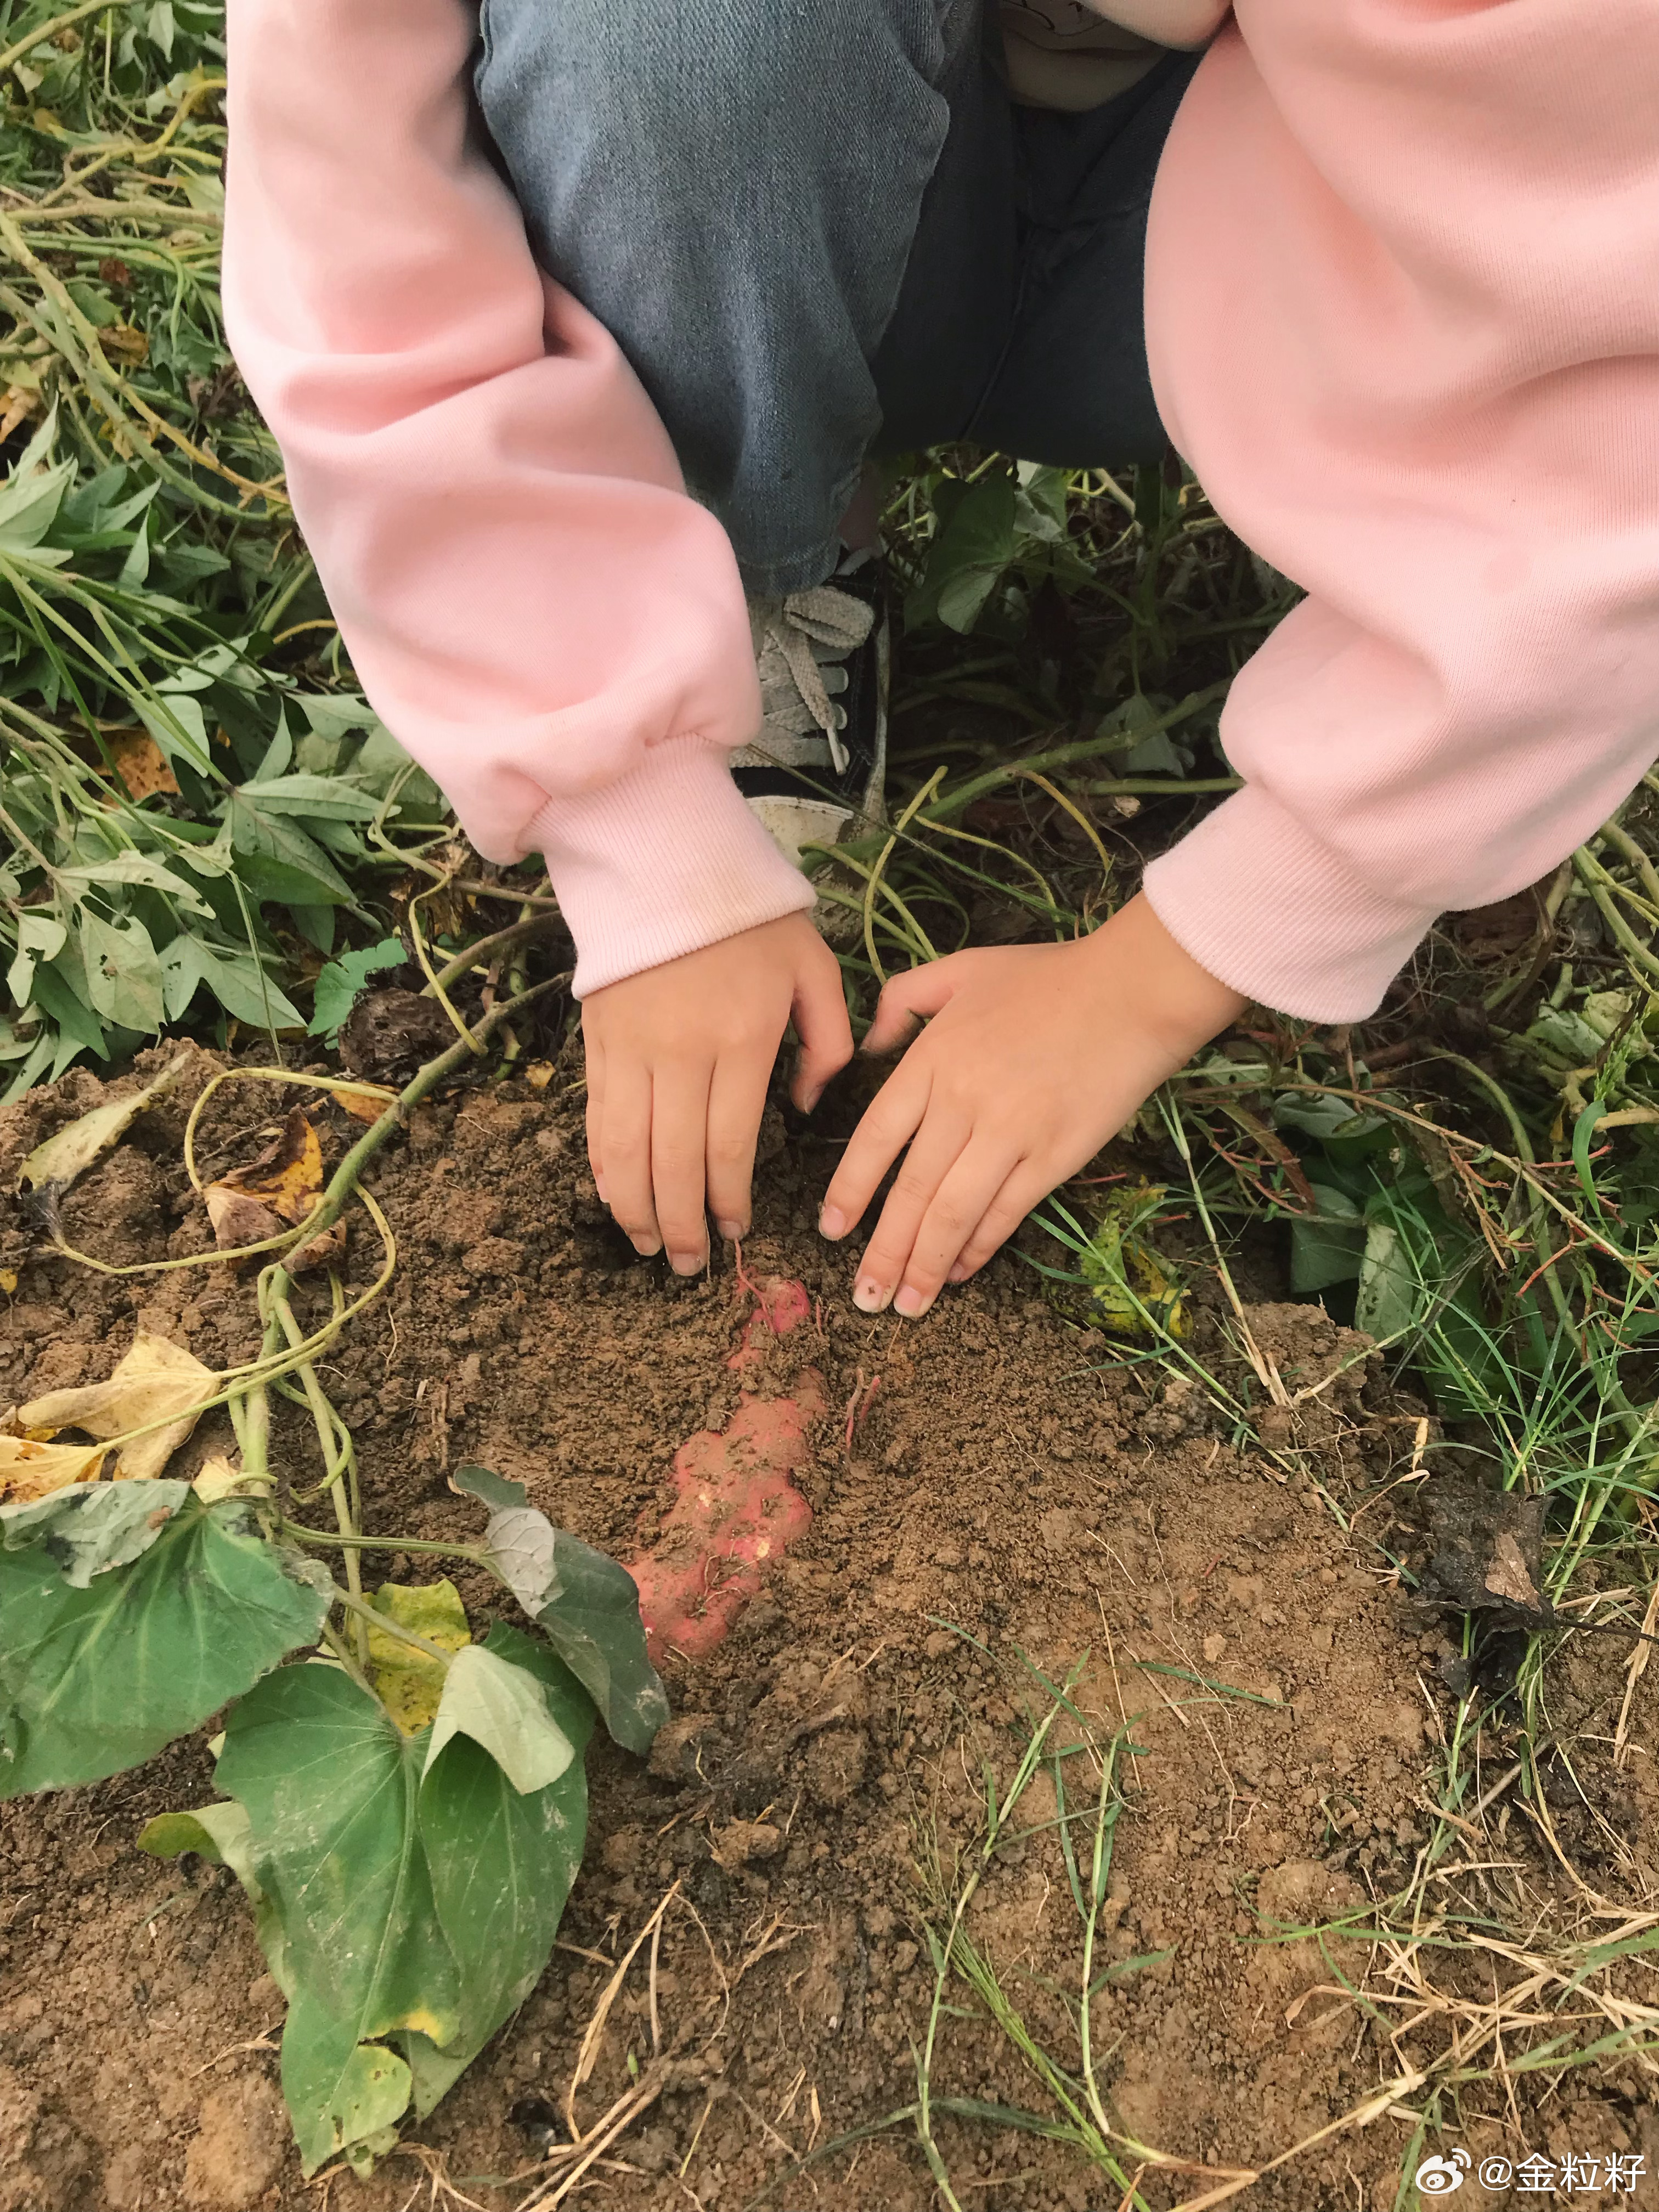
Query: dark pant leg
[1072, 387]
[734, 187]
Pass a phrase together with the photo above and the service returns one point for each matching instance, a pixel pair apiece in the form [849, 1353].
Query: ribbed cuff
[1274, 913]
[667, 860]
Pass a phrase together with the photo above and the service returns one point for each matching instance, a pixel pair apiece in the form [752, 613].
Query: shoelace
[810, 630]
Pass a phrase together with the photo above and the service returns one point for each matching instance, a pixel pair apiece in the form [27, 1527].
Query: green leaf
[1328, 1249]
[339, 2092]
[123, 973]
[95, 1680]
[135, 868]
[278, 857]
[502, 1863]
[82, 1030]
[971, 551]
[88, 1527]
[330, 1783]
[417, 1891]
[40, 936]
[482, 1482]
[32, 492]
[589, 1608]
[502, 1708]
[235, 979]
[176, 722]
[324, 797]
[222, 1834]
[1390, 1294]
[339, 982]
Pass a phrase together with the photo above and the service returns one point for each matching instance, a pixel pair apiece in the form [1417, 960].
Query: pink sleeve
[1403, 315]
[535, 607]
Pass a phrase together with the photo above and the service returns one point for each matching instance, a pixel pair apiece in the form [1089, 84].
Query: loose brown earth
[1013, 1480]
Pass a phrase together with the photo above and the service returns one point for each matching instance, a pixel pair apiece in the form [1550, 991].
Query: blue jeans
[820, 228]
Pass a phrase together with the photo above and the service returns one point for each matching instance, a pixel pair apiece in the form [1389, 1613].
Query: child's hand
[679, 1058]
[1035, 1055]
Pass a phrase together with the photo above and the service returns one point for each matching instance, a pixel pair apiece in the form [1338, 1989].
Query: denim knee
[690, 92]
[732, 187]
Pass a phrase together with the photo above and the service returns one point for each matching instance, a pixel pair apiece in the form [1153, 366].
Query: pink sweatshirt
[1403, 318]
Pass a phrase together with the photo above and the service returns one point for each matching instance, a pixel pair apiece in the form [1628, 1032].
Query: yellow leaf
[9, 1281]
[62, 1157]
[409, 1680]
[281, 1186]
[30, 1469]
[367, 1104]
[539, 1074]
[140, 762]
[218, 1478]
[157, 1382]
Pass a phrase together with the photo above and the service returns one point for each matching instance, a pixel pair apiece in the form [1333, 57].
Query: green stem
[342, 1650]
[1597, 881]
[471, 954]
[422, 1545]
[344, 1180]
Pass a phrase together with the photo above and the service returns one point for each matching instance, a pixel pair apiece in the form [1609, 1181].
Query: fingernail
[688, 1263]
[598, 1185]
[812, 1099]
[910, 1302]
[731, 1230]
[832, 1221]
[959, 1273]
[647, 1247]
[870, 1296]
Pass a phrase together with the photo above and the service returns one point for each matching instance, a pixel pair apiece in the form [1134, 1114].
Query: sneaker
[817, 771]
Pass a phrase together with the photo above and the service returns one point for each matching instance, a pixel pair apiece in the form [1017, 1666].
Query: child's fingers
[624, 1149]
[890, 1121]
[680, 1137]
[625, 1154]
[820, 1023]
[736, 1099]
[1028, 1186]
[934, 1150]
[909, 998]
[956, 1212]
[595, 1113]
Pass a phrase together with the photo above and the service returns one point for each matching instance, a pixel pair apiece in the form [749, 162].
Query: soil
[995, 1494]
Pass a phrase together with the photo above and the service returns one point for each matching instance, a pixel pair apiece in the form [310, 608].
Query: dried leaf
[8, 1280]
[157, 1382]
[279, 1189]
[30, 1468]
[62, 1157]
[410, 1682]
[365, 1105]
[220, 1477]
[1506, 1576]
[1488, 1552]
[140, 763]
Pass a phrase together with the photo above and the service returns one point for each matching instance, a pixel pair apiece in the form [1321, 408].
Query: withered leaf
[1507, 1577]
[30, 1468]
[75, 1146]
[1488, 1553]
[140, 763]
[156, 1383]
[280, 1189]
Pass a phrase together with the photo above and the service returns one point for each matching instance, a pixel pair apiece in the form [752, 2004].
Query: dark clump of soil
[995, 1494]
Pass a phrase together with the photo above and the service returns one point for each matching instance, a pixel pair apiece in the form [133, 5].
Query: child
[555, 399]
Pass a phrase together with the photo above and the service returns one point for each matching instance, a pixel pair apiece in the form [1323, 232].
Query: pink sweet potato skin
[736, 1510]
